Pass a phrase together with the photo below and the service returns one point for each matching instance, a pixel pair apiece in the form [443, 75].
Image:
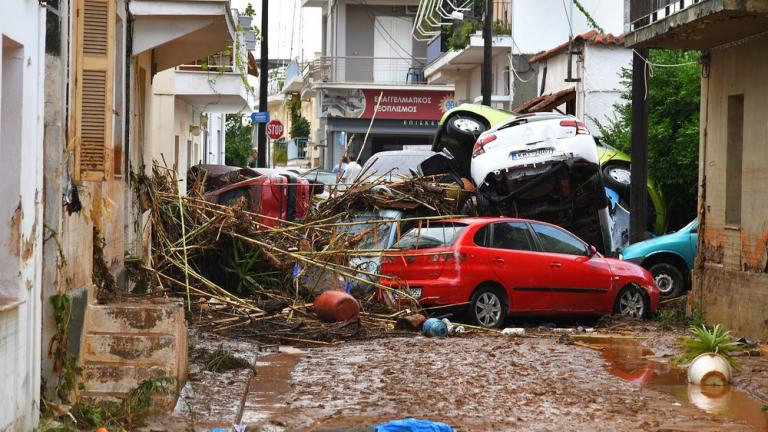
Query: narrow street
[481, 383]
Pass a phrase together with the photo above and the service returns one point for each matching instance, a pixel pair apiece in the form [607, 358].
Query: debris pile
[242, 276]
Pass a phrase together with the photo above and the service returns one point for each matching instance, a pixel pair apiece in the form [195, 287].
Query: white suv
[543, 166]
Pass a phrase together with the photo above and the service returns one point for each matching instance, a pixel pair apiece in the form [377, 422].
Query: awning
[181, 31]
[547, 102]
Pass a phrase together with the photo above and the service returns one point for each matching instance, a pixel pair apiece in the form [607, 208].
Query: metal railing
[219, 62]
[643, 13]
[360, 69]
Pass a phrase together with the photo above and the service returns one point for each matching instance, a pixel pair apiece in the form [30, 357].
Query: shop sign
[392, 104]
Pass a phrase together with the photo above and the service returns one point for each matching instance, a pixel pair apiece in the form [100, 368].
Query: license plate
[531, 153]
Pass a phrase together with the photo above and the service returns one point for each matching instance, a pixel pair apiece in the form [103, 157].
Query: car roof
[485, 219]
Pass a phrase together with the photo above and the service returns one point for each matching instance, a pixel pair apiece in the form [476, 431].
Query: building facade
[77, 79]
[22, 69]
[370, 74]
[591, 86]
[731, 273]
[519, 33]
[190, 103]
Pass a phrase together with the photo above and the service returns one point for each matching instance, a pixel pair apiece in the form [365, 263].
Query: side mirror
[592, 251]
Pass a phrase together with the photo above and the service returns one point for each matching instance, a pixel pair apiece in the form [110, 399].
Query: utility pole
[263, 76]
[487, 57]
[638, 194]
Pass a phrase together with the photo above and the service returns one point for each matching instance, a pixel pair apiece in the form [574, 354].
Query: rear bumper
[433, 292]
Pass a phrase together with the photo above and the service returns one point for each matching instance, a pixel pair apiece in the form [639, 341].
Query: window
[94, 52]
[512, 235]
[734, 159]
[557, 241]
[430, 237]
[483, 236]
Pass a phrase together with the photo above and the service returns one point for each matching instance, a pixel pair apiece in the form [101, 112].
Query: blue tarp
[413, 425]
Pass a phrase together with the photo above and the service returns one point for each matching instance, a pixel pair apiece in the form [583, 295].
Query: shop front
[392, 119]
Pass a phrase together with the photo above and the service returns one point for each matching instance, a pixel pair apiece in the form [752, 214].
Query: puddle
[633, 362]
[271, 381]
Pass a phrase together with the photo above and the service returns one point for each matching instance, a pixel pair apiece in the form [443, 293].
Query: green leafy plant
[764, 408]
[673, 132]
[460, 38]
[239, 140]
[669, 318]
[129, 412]
[709, 340]
[299, 127]
[222, 360]
[590, 20]
[241, 266]
[500, 27]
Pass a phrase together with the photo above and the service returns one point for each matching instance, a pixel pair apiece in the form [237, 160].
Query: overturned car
[543, 166]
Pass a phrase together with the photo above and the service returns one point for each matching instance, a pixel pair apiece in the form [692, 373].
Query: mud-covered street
[478, 382]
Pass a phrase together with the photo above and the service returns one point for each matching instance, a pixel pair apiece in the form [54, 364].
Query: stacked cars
[461, 127]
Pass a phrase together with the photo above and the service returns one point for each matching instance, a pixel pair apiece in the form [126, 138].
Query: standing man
[352, 171]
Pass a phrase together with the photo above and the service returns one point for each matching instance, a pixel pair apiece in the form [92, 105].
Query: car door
[516, 264]
[580, 281]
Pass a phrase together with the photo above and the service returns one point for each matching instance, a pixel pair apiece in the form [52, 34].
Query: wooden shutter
[92, 87]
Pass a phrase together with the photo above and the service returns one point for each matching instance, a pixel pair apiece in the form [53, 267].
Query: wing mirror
[592, 251]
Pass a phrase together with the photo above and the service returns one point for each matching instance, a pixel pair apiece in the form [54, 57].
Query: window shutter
[92, 88]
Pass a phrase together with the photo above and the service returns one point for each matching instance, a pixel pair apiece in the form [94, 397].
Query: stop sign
[275, 129]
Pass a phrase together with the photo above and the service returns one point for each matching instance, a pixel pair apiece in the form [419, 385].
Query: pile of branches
[239, 271]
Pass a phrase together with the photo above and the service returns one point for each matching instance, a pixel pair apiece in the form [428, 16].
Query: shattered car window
[377, 234]
[430, 237]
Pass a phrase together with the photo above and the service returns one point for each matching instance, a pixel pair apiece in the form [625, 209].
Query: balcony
[694, 24]
[444, 68]
[213, 85]
[177, 31]
[367, 70]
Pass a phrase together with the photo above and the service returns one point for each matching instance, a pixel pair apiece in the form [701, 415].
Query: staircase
[126, 343]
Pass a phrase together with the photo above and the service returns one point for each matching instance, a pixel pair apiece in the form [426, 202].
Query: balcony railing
[358, 69]
[646, 12]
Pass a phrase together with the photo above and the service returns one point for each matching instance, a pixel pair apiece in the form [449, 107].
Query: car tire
[465, 128]
[632, 302]
[668, 278]
[616, 176]
[484, 207]
[488, 307]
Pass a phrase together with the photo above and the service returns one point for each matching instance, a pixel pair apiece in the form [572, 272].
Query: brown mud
[478, 383]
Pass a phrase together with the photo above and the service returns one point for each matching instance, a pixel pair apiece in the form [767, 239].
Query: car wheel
[632, 302]
[668, 278]
[484, 207]
[617, 177]
[465, 128]
[488, 307]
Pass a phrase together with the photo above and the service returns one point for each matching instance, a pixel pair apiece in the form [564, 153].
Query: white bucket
[709, 369]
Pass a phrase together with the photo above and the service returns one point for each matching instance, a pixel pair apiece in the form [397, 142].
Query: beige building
[731, 275]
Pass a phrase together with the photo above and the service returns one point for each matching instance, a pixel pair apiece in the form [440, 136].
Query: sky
[287, 21]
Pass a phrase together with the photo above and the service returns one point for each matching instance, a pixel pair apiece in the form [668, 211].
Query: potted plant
[709, 355]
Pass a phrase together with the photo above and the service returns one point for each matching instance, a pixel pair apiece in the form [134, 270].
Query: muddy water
[271, 381]
[634, 362]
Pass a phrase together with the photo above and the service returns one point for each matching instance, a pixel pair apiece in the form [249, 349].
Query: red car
[504, 266]
[273, 193]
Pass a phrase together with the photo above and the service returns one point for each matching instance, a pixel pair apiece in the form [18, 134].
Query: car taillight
[581, 128]
[450, 256]
[481, 142]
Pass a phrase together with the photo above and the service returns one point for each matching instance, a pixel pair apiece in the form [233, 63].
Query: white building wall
[600, 86]
[172, 137]
[216, 133]
[22, 63]
[602, 83]
[538, 25]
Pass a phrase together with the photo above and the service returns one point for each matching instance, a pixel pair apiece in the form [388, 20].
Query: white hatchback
[543, 166]
[529, 144]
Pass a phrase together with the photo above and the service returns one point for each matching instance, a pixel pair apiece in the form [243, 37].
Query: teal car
[669, 258]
